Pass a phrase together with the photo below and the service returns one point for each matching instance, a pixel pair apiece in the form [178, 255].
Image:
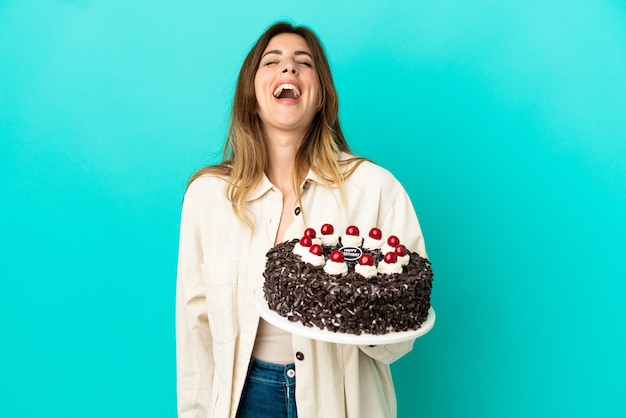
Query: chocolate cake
[348, 284]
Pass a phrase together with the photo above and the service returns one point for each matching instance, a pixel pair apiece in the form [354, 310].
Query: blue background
[506, 121]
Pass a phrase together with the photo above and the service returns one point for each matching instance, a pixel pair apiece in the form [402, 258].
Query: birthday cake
[348, 284]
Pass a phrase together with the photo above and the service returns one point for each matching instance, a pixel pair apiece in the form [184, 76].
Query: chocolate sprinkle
[349, 304]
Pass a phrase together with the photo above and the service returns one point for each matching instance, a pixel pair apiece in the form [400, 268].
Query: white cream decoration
[351, 241]
[336, 268]
[330, 240]
[386, 248]
[365, 271]
[315, 260]
[389, 268]
[300, 250]
[370, 243]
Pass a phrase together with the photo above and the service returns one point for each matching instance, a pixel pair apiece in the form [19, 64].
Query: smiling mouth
[287, 91]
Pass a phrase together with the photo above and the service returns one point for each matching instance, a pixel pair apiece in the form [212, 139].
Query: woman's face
[286, 85]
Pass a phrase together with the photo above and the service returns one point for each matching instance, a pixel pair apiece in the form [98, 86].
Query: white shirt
[221, 261]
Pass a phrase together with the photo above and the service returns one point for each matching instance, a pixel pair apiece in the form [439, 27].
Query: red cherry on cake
[316, 249]
[305, 241]
[309, 232]
[336, 256]
[366, 260]
[375, 233]
[327, 229]
[352, 230]
[400, 250]
[391, 258]
[393, 241]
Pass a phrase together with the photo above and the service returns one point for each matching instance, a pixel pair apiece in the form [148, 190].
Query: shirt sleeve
[399, 217]
[194, 355]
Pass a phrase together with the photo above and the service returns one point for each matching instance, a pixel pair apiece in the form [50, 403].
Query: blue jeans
[269, 391]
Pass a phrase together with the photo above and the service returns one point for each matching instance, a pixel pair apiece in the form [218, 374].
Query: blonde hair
[244, 157]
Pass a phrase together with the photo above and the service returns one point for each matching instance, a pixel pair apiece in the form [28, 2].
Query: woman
[286, 166]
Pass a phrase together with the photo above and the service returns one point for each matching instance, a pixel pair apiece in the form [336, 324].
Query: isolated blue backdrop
[506, 121]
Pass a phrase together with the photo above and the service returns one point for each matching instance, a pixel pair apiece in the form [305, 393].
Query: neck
[281, 153]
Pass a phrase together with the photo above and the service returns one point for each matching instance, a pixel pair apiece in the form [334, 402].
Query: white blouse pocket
[221, 282]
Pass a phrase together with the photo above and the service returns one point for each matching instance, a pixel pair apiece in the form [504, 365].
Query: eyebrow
[279, 52]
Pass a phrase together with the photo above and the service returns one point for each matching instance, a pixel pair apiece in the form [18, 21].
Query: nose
[289, 68]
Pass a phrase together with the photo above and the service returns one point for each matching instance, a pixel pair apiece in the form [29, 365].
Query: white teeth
[287, 86]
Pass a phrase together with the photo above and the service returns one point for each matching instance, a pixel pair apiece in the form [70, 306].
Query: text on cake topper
[351, 253]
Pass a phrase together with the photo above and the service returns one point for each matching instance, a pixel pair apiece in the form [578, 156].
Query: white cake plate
[338, 337]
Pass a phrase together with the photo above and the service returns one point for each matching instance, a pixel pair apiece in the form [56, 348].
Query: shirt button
[305, 185]
[297, 211]
[299, 356]
[291, 373]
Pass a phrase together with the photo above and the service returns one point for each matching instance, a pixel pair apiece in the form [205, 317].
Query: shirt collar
[312, 177]
[262, 187]
[265, 185]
